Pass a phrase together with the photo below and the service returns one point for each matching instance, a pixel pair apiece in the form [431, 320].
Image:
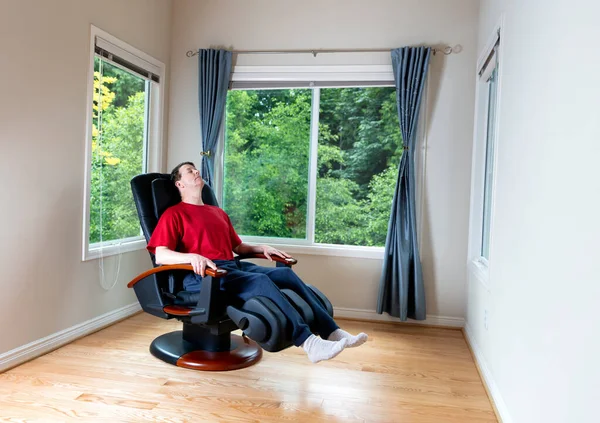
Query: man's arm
[163, 255]
[244, 248]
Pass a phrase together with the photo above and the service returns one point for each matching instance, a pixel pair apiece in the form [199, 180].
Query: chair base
[220, 353]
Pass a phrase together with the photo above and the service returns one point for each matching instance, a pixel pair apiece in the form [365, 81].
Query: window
[124, 114]
[308, 166]
[492, 85]
[486, 129]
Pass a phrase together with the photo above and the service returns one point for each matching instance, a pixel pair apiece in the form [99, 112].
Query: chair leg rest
[173, 349]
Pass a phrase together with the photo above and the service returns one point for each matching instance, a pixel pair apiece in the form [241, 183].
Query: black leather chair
[208, 317]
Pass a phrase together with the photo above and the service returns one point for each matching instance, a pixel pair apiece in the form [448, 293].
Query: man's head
[187, 178]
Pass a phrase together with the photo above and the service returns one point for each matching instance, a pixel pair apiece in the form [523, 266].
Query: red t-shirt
[188, 228]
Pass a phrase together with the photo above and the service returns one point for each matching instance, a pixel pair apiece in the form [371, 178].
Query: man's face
[190, 178]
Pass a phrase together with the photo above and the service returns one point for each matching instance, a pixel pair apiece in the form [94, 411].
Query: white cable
[99, 149]
[101, 263]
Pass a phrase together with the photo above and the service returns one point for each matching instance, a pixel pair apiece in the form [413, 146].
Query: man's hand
[165, 256]
[200, 263]
[270, 251]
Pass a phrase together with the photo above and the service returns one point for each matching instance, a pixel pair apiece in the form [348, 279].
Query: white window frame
[282, 77]
[490, 58]
[154, 147]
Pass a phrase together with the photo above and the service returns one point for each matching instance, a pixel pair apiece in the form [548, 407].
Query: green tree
[363, 123]
[266, 165]
[359, 142]
[266, 172]
[381, 193]
[117, 152]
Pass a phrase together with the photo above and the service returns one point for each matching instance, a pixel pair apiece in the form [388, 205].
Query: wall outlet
[485, 319]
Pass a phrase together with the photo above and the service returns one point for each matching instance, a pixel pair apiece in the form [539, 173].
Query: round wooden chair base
[172, 349]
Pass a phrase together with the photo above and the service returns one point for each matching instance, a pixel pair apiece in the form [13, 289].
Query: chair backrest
[153, 193]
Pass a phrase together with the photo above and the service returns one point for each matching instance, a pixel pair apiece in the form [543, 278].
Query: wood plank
[404, 373]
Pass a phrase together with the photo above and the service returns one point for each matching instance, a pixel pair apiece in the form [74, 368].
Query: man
[202, 235]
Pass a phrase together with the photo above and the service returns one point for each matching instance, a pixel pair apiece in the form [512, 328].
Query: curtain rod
[445, 50]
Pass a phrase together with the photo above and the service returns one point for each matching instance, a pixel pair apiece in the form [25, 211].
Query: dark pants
[245, 280]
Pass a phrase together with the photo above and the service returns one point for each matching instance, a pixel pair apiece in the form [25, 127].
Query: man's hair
[175, 176]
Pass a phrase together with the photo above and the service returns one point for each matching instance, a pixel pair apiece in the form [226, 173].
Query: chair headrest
[153, 193]
[141, 187]
[164, 195]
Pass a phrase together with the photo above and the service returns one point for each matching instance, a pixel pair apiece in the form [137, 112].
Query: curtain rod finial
[447, 50]
[457, 49]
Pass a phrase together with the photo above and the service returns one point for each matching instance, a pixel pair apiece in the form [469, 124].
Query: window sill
[481, 272]
[96, 251]
[330, 250]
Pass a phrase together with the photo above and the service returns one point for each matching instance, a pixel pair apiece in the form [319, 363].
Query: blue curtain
[401, 291]
[214, 69]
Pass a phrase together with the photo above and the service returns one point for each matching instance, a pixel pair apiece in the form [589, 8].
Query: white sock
[319, 349]
[353, 341]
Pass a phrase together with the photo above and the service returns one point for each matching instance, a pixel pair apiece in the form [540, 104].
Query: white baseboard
[40, 347]
[355, 313]
[487, 376]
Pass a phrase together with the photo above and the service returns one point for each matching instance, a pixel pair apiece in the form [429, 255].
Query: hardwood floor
[402, 374]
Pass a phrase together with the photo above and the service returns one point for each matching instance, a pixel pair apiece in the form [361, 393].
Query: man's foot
[352, 340]
[319, 349]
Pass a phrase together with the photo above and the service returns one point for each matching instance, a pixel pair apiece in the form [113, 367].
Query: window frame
[489, 60]
[153, 149]
[313, 77]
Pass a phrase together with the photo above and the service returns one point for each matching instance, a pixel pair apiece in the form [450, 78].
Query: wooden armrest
[290, 261]
[219, 273]
[177, 310]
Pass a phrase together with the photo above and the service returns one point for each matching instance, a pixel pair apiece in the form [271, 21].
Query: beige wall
[269, 24]
[44, 56]
[541, 346]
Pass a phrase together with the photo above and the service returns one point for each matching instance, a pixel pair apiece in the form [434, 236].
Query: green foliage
[364, 124]
[340, 218]
[381, 193]
[267, 157]
[267, 162]
[117, 152]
